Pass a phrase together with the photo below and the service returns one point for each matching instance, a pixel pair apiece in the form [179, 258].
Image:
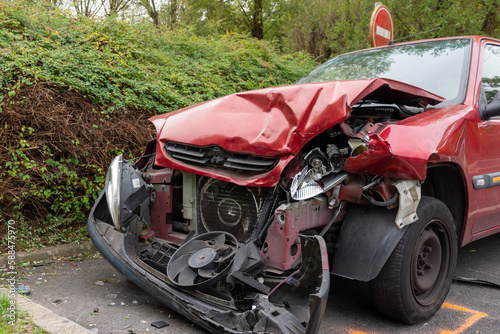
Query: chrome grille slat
[248, 160]
[240, 167]
[217, 157]
[190, 158]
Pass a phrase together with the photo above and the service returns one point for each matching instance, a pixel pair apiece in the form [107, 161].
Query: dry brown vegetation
[48, 131]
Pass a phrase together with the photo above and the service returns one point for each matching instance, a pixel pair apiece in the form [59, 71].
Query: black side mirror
[489, 110]
[492, 109]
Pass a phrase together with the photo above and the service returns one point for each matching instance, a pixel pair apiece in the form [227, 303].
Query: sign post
[381, 27]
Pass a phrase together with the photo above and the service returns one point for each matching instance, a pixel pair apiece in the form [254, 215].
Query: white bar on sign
[383, 32]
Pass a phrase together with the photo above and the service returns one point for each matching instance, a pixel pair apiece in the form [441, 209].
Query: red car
[376, 166]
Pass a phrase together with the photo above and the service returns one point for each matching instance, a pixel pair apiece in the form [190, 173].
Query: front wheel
[416, 278]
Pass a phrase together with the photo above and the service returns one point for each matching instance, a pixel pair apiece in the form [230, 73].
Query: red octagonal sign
[381, 28]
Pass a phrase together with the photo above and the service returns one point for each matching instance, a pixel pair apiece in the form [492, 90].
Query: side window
[491, 71]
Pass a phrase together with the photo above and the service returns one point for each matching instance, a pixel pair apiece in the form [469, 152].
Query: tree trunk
[490, 22]
[258, 24]
[173, 12]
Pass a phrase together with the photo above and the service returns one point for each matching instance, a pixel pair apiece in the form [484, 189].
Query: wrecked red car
[376, 166]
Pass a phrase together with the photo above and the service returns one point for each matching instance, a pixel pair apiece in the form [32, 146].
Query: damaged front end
[235, 227]
[159, 228]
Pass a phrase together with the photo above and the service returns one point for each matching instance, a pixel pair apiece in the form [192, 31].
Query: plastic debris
[23, 290]
[159, 324]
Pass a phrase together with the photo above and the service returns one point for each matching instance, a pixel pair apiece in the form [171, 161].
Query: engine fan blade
[219, 240]
[178, 265]
[207, 273]
[187, 277]
[194, 245]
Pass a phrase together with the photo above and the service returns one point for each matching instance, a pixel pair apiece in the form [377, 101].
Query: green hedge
[74, 92]
[122, 65]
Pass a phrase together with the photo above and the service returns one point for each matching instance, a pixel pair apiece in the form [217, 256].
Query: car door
[485, 168]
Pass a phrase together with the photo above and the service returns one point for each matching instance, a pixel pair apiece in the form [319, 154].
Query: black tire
[416, 278]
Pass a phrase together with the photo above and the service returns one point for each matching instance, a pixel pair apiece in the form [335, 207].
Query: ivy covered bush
[75, 92]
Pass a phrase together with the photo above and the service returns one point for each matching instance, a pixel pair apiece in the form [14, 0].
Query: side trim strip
[486, 180]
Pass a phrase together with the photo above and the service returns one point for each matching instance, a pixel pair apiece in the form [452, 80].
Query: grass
[22, 323]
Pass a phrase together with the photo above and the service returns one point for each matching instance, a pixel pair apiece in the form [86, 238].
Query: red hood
[272, 122]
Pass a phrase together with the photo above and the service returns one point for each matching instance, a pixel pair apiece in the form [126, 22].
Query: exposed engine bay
[310, 199]
[250, 258]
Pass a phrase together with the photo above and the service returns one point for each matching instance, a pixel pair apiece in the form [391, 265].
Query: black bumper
[120, 250]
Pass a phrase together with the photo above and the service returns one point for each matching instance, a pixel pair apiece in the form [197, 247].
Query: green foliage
[451, 18]
[325, 28]
[75, 91]
[125, 65]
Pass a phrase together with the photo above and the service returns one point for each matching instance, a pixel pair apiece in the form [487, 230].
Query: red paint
[282, 248]
[274, 122]
[278, 122]
[161, 207]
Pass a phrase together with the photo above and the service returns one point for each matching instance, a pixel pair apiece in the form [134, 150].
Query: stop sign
[381, 28]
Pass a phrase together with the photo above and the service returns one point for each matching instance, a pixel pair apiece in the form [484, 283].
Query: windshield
[439, 67]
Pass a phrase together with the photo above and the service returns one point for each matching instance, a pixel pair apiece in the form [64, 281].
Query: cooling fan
[203, 260]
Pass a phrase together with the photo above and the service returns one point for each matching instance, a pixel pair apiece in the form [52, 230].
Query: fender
[366, 240]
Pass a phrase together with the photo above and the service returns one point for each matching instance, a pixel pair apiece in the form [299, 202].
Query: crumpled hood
[273, 122]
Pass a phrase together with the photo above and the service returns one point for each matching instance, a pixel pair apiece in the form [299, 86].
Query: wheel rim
[431, 262]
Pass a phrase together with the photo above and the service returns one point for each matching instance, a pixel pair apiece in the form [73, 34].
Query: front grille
[216, 157]
[224, 206]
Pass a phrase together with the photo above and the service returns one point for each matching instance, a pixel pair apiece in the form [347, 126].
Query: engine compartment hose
[378, 203]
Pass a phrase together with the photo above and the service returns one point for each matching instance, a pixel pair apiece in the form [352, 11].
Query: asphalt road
[96, 296]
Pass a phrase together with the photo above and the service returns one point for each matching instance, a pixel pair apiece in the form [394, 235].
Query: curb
[52, 251]
[46, 319]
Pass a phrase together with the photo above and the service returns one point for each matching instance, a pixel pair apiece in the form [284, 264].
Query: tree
[491, 20]
[251, 16]
[87, 8]
[152, 8]
[115, 7]
[329, 27]
[326, 27]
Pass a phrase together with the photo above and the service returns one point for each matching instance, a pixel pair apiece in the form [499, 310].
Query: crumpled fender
[272, 122]
[435, 134]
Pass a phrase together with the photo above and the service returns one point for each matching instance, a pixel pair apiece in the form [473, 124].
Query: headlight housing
[112, 188]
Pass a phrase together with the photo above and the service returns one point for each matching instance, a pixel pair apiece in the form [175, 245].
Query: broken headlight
[112, 188]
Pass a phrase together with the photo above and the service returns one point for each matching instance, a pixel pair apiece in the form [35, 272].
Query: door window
[491, 71]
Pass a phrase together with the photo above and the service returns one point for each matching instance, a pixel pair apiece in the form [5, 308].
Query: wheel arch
[446, 182]
[368, 234]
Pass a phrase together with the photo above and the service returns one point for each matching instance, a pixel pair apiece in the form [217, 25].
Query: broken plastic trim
[269, 312]
[266, 315]
[409, 197]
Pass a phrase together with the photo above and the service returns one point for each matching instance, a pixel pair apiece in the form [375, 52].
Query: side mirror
[492, 109]
[489, 110]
